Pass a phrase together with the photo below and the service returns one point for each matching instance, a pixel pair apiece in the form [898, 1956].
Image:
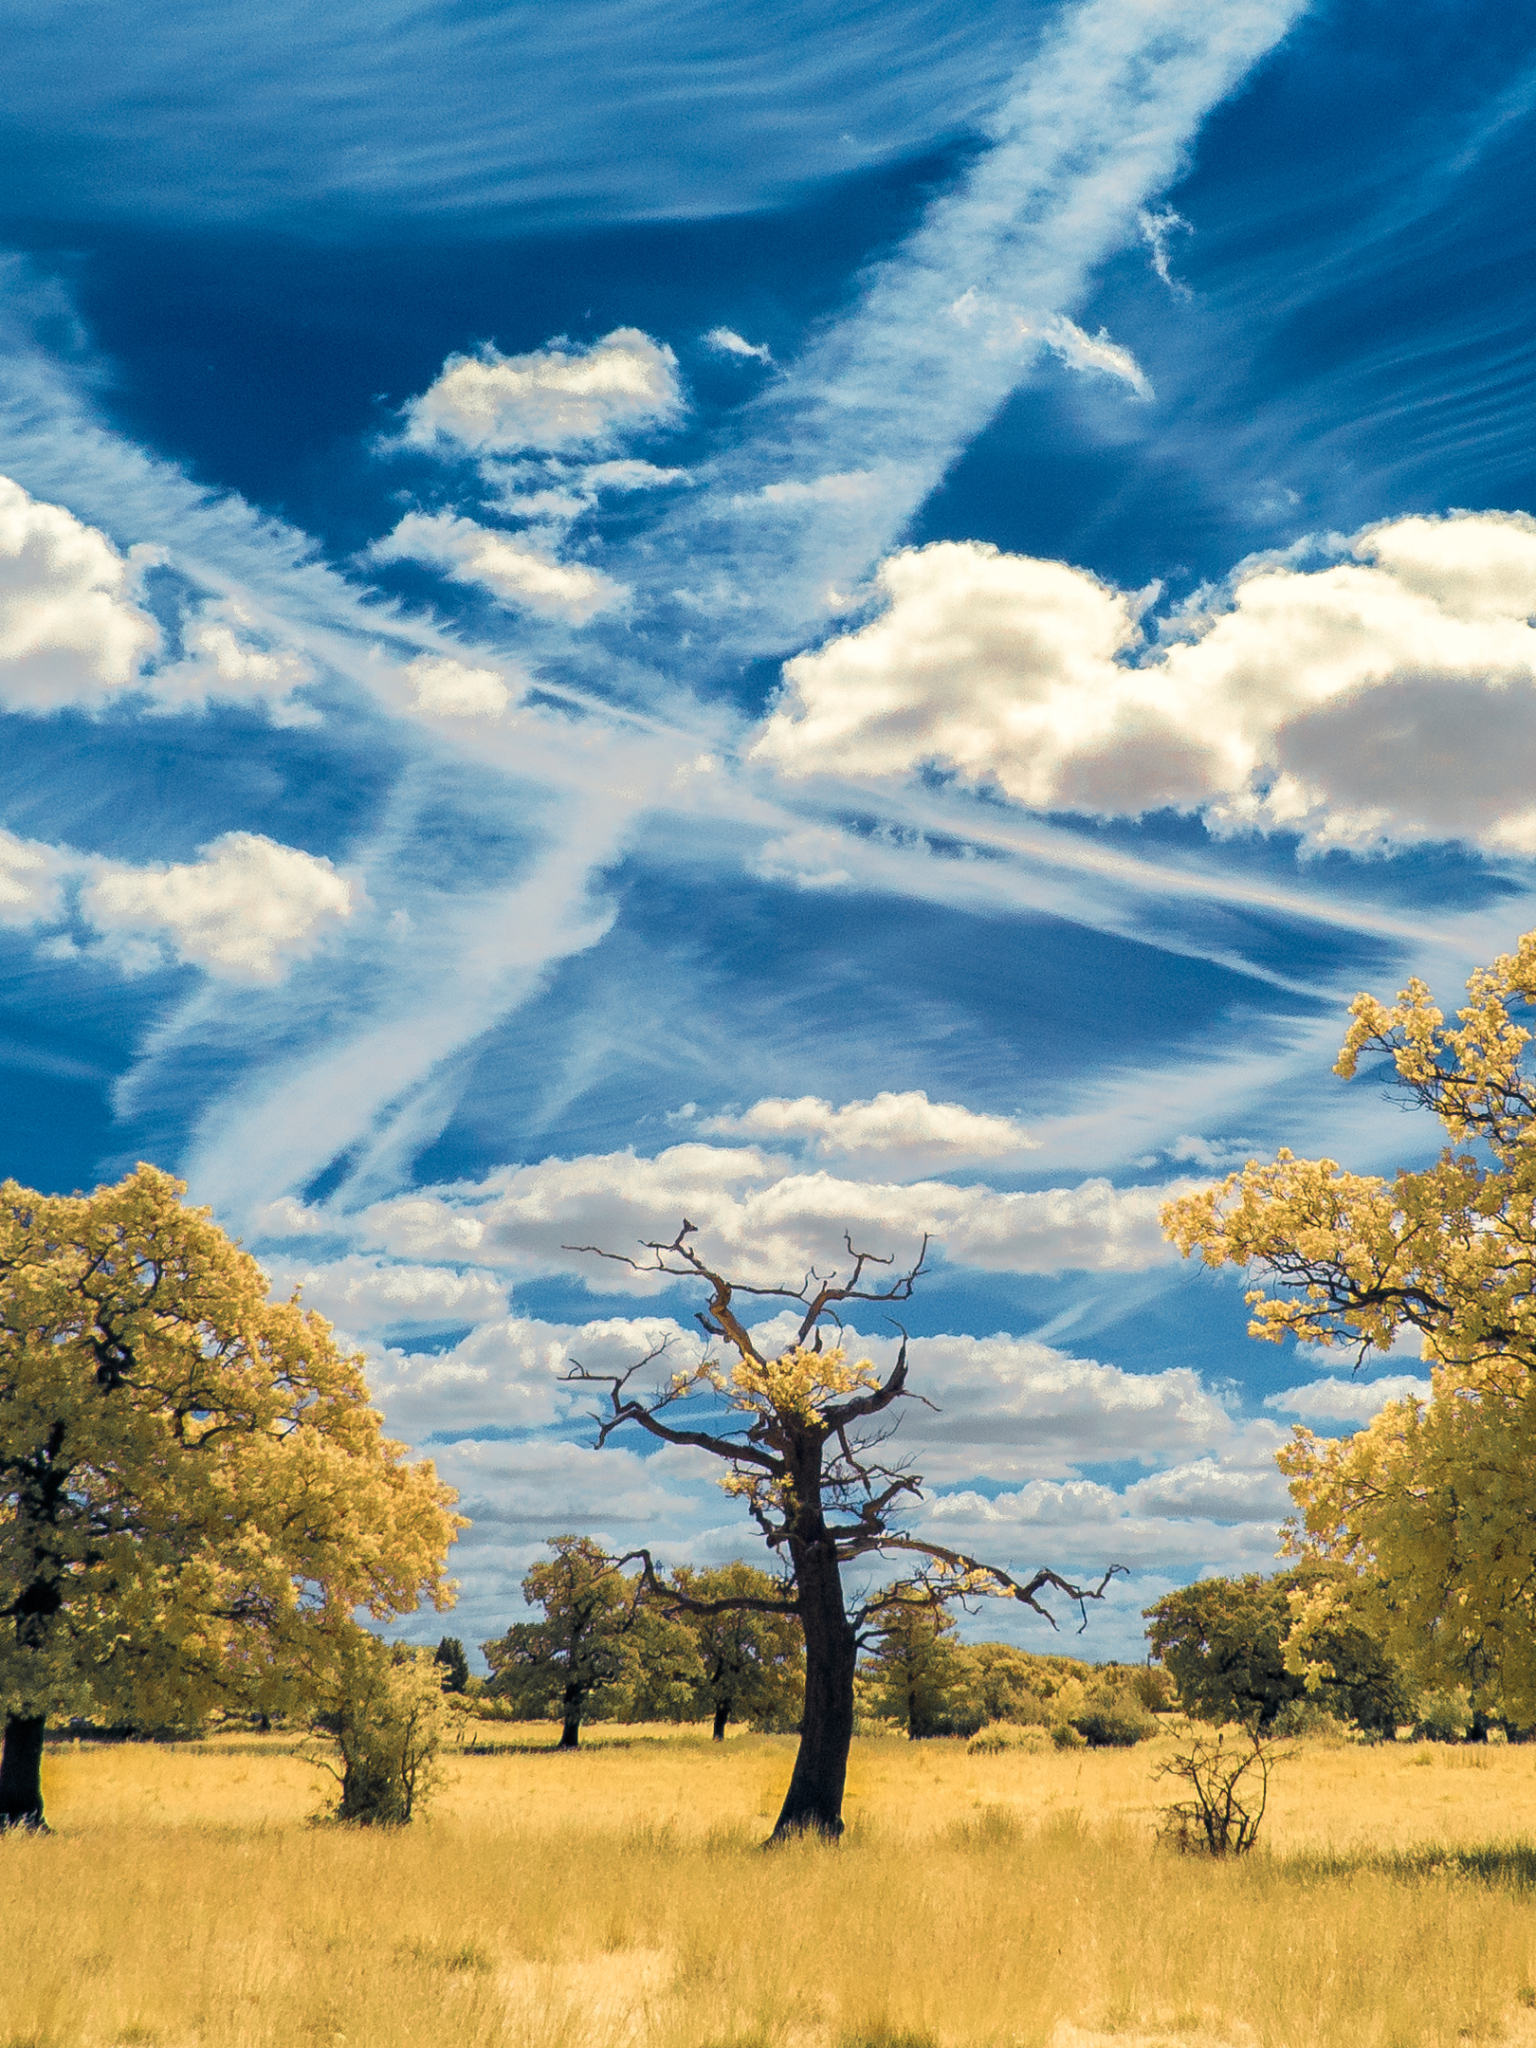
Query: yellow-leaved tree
[1428, 1508]
[195, 1494]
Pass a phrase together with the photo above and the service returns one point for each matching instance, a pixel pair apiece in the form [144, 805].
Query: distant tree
[194, 1490]
[923, 1676]
[582, 1658]
[1426, 1510]
[751, 1664]
[1009, 1684]
[798, 1432]
[450, 1655]
[1224, 1644]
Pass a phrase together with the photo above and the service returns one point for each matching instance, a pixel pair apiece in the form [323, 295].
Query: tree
[455, 1665]
[751, 1664]
[581, 1658]
[194, 1492]
[1427, 1509]
[1223, 1642]
[797, 1432]
[921, 1672]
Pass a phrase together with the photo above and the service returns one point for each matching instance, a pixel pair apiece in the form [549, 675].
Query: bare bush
[1227, 1775]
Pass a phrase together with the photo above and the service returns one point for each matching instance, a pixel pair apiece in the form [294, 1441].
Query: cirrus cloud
[519, 574]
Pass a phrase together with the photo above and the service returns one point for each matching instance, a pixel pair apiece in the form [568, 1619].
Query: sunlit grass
[619, 1896]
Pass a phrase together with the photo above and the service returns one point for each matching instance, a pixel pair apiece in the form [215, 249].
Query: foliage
[581, 1661]
[1223, 1643]
[921, 1673]
[1227, 1776]
[193, 1486]
[455, 1665]
[751, 1663]
[1112, 1717]
[1427, 1507]
[386, 1714]
[1444, 1716]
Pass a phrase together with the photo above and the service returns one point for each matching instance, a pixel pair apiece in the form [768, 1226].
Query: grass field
[617, 1898]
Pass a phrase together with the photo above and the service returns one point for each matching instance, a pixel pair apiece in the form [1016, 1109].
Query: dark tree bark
[722, 1715]
[814, 1801]
[21, 1772]
[570, 1734]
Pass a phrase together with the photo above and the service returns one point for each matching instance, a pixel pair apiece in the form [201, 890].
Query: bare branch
[677, 1602]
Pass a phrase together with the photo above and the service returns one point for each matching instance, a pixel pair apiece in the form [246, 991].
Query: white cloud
[70, 632]
[1157, 226]
[223, 661]
[1390, 694]
[451, 689]
[838, 487]
[366, 1294]
[552, 398]
[763, 1223]
[888, 1126]
[244, 909]
[727, 342]
[521, 575]
[1093, 352]
[29, 880]
[1347, 1400]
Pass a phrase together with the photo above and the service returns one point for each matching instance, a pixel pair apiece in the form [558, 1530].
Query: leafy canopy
[195, 1494]
[1428, 1507]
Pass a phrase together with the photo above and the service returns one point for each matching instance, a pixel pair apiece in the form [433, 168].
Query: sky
[820, 619]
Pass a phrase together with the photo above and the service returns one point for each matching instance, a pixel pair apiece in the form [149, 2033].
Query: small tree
[455, 1665]
[193, 1484]
[921, 1672]
[385, 1713]
[580, 1660]
[751, 1663]
[799, 1436]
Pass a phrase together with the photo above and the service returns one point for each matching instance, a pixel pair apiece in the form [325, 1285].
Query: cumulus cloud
[244, 909]
[367, 1294]
[553, 398]
[890, 1126]
[452, 689]
[223, 660]
[510, 567]
[1388, 695]
[70, 632]
[762, 1221]
[29, 880]
[1347, 1400]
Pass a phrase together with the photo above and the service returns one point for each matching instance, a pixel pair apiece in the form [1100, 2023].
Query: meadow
[618, 1897]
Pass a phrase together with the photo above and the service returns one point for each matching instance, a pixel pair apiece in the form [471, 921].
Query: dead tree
[798, 1433]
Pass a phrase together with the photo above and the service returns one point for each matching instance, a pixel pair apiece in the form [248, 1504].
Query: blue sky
[815, 618]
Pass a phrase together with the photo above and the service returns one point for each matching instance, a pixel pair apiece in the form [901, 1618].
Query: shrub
[1228, 1779]
[1443, 1717]
[387, 1718]
[1065, 1736]
[1116, 1722]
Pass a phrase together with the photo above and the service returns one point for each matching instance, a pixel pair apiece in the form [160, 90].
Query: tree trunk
[814, 1801]
[21, 1772]
[722, 1715]
[570, 1734]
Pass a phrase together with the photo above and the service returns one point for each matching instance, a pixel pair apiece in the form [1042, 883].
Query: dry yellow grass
[617, 1899]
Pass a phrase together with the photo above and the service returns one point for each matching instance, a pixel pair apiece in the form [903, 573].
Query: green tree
[582, 1659]
[800, 1437]
[922, 1673]
[455, 1665]
[751, 1663]
[1426, 1511]
[1224, 1644]
[194, 1491]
